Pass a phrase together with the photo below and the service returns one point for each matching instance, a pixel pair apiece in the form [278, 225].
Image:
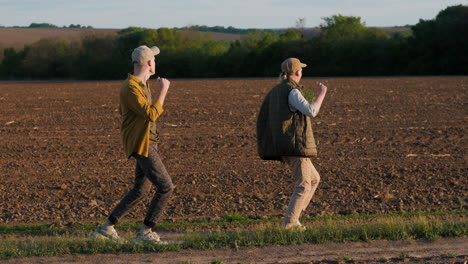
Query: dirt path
[451, 250]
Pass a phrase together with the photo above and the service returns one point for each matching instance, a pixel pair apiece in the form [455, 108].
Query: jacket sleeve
[138, 103]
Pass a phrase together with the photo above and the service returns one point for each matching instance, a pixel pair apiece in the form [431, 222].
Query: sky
[236, 13]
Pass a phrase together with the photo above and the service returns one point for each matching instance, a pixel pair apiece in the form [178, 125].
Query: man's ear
[148, 63]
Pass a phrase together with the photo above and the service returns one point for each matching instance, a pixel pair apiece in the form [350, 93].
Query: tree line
[344, 47]
[48, 25]
[221, 29]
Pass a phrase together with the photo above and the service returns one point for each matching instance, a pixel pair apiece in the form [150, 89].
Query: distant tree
[399, 54]
[422, 48]
[100, 58]
[440, 45]
[77, 26]
[231, 63]
[290, 34]
[11, 63]
[164, 38]
[451, 28]
[42, 25]
[48, 58]
[243, 57]
[258, 40]
[338, 27]
[130, 30]
[172, 39]
[221, 29]
[132, 37]
[351, 47]
[300, 26]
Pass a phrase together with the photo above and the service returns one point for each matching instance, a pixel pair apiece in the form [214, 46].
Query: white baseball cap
[142, 54]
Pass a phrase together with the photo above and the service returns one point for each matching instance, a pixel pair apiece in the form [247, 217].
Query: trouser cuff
[149, 224]
[113, 220]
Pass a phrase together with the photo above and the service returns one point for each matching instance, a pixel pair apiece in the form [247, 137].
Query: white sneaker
[148, 236]
[106, 232]
[295, 226]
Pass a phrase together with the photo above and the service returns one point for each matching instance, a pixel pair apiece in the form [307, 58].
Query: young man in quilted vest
[284, 132]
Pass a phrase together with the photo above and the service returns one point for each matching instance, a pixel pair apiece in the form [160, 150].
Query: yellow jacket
[137, 116]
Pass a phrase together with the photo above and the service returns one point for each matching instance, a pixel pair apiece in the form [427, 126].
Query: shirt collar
[134, 78]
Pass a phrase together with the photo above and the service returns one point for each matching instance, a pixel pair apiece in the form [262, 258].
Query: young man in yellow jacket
[140, 137]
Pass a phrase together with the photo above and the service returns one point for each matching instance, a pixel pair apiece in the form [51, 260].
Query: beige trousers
[306, 182]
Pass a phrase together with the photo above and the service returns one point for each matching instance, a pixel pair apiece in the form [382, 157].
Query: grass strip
[332, 231]
[69, 245]
[228, 218]
[390, 228]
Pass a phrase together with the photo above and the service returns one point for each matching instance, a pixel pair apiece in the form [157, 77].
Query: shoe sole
[103, 237]
[100, 236]
[142, 241]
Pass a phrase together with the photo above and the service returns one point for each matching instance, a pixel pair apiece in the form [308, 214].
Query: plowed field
[385, 145]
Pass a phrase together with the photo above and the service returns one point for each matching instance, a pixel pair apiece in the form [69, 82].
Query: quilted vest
[281, 132]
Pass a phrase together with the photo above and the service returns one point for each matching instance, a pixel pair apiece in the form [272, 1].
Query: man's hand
[321, 91]
[163, 84]
[321, 88]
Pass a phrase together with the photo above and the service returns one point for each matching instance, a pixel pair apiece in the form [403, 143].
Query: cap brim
[155, 50]
[303, 65]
